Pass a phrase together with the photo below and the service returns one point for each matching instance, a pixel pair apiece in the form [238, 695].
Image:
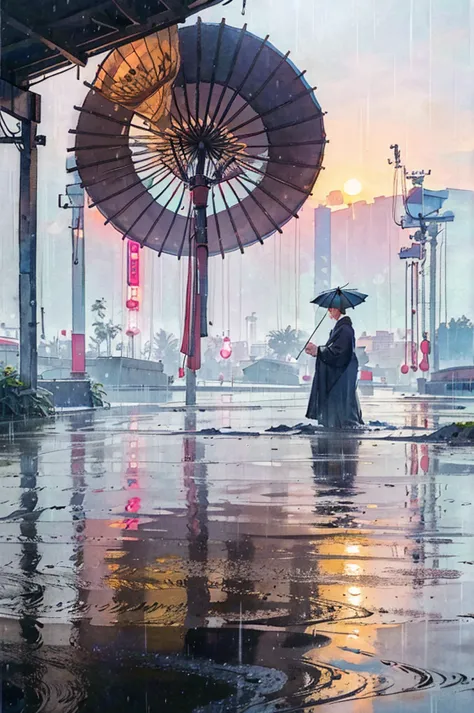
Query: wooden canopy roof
[39, 37]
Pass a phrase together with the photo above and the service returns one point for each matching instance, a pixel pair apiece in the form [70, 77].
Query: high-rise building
[322, 249]
[363, 250]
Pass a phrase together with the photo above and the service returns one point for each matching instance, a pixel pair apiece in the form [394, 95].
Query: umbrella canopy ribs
[197, 142]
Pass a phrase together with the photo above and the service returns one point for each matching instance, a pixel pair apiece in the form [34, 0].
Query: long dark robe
[334, 402]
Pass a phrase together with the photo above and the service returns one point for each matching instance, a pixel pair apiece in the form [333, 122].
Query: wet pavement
[145, 566]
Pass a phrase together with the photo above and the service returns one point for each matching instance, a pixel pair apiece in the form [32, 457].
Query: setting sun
[352, 187]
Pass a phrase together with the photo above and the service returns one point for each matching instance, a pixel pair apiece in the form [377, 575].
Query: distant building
[362, 243]
[381, 341]
[271, 371]
[322, 249]
[258, 350]
[251, 324]
[240, 352]
[385, 354]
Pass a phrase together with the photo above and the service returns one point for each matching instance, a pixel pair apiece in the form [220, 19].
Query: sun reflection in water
[354, 595]
[352, 549]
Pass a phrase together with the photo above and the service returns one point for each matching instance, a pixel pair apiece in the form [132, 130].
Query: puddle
[137, 573]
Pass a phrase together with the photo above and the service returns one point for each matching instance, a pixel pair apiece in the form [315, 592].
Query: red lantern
[405, 369]
[133, 505]
[425, 350]
[132, 332]
[226, 351]
[132, 305]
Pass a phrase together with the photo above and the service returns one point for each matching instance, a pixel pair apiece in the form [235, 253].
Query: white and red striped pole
[75, 194]
[78, 305]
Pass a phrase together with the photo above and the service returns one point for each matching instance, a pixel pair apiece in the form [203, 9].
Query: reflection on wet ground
[149, 571]
[257, 411]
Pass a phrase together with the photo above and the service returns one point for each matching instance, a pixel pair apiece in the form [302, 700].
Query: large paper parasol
[255, 113]
[199, 142]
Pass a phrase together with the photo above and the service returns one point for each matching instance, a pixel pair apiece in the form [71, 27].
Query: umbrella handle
[312, 335]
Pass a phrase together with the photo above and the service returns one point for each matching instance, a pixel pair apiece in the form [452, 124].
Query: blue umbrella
[339, 298]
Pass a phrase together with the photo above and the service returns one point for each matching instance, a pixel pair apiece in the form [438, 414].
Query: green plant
[165, 348]
[104, 331]
[285, 342]
[18, 402]
[10, 374]
[99, 395]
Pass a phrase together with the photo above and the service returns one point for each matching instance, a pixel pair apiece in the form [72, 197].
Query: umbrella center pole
[200, 191]
[199, 195]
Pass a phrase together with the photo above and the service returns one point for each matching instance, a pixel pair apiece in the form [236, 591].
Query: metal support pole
[423, 293]
[433, 335]
[27, 251]
[190, 387]
[200, 191]
[75, 196]
[78, 297]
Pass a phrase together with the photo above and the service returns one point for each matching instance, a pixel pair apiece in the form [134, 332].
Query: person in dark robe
[334, 402]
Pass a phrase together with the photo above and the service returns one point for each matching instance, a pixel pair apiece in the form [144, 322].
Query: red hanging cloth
[191, 344]
[195, 321]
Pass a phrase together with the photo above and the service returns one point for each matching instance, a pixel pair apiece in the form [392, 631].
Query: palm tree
[112, 330]
[99, 307]
[100, 333]
[165, 349]
[146, 351]
[285, 342]
[103, 331]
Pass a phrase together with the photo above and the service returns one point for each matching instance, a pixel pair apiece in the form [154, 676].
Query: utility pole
[25, 106]
[422, 211]
[433, 233]
[75, 201]
[190, 387]
[28, 248]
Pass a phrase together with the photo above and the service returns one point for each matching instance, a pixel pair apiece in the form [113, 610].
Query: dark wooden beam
[22, 105]
[52, 40]
[177, 7]
[81, 16]
[28, 257]
[135, 15]
[24, 70]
